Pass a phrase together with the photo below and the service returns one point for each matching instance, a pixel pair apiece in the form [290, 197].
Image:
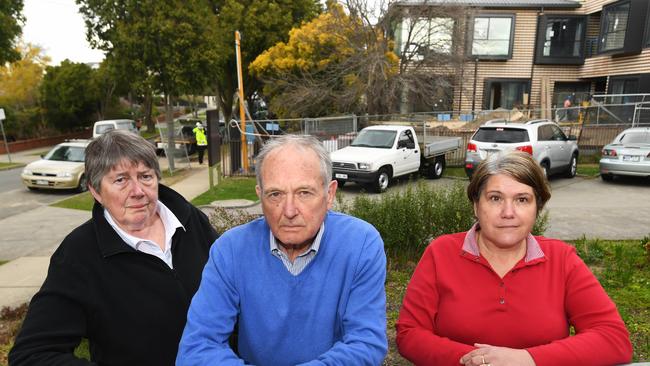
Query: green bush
[623, 269]
[409, 220]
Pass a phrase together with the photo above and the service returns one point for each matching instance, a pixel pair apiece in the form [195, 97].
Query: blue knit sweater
[332, 313]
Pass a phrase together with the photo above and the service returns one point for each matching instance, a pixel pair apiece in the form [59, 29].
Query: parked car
[61, 168]
[627, 154]
[104, 126]
[542, 138]
[382, 152]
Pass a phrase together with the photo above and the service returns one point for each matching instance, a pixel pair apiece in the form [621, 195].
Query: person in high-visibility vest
[201, 140]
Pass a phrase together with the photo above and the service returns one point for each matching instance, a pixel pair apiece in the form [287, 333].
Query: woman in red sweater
[496, 295]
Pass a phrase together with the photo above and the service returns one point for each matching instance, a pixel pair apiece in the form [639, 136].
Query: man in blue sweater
[303, 285]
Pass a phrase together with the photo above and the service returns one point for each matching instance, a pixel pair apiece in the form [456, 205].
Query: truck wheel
[436, 169]
[340, 182]
[381, 181]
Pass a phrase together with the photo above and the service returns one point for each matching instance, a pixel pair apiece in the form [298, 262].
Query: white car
[104, 126]
[543, 139]
[628, 154]
[61, 168]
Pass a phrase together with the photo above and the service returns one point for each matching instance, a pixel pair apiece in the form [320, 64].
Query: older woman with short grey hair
[496, 295]
[125, 278]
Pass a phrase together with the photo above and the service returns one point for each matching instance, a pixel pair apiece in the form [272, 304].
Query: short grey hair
[111, 148]
[518, 165]
[302, 142]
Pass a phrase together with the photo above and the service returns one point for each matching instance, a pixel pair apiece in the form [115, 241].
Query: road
[15, 198]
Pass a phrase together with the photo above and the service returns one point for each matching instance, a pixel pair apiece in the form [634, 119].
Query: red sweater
[455, 299]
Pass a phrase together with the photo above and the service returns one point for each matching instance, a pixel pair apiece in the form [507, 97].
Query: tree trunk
[148, 103]
[169, 118]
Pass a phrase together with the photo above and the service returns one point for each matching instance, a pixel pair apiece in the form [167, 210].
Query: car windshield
[66, 153]
[101, 129]
[126, 125]
[501, 135]
[635, 138]
[375, 138]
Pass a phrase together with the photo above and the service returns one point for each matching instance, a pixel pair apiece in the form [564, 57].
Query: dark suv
[542, 138]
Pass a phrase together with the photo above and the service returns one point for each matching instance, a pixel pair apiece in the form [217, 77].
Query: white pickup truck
[382, 152]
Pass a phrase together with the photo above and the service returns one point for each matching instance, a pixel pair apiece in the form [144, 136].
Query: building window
[424, 36]
[492, 36]
[621, 87]
[507, 93]
[561, 39]
[614, 26]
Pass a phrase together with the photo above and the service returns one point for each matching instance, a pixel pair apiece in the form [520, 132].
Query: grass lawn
[149, 134]
[227, 189]
[454, 171]
[85, 201]
[7, 166]
[589, 170]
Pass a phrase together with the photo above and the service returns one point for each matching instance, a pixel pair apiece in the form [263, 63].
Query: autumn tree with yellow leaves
[344, 62]
[333, 64]
[19, 92]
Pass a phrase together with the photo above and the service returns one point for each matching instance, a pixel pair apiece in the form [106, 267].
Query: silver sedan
[628, 154]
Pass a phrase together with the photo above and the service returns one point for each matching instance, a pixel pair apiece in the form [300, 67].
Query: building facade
[540, 54]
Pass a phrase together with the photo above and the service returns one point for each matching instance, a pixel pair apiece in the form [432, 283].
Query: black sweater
[130, 305]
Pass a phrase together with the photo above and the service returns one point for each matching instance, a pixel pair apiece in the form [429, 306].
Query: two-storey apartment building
[535, 54]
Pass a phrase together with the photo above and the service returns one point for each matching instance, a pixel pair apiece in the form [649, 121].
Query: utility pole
[242, 111]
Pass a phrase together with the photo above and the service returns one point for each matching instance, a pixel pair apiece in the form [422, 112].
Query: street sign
[2, 113]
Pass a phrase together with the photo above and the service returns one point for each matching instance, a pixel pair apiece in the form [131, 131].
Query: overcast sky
[58, 28]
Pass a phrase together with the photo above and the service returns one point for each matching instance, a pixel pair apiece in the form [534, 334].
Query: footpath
[23, 275]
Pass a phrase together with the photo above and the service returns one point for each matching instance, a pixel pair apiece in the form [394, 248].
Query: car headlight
[364, 166]
[64, 174]
[27, 172]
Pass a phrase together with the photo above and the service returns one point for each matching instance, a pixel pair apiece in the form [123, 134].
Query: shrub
[225, 219]
[409, 220]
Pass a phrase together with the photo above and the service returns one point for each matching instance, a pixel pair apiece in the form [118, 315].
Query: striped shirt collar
[315, 245]
[533, 250]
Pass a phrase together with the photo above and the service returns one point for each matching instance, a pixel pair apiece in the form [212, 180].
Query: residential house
[534, 54]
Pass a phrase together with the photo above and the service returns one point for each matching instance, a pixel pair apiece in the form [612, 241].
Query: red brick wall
[42, 142]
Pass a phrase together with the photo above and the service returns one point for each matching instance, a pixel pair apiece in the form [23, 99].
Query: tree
[162, 46]
[328, 66]
[70, 96]
[20, 94]
[345, 61]
[262, 24]
[10, 28]
[429, 39]
[110, 84]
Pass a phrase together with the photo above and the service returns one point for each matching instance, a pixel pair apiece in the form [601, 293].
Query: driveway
[597, 209]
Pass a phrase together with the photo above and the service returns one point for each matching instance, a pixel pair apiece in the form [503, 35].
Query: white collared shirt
[170, 223]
